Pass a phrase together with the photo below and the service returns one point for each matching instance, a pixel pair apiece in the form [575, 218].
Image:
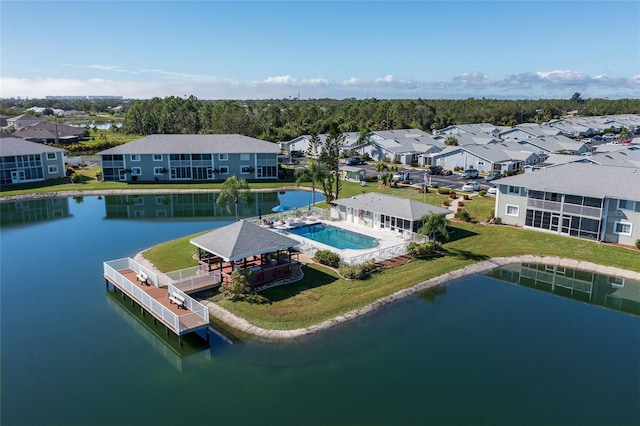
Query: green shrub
[482, 193]
[357, 271]
[76, 178]
[463, 214]
[99, 175]
[434, 186]
[444, 190]
[638, 243]
[327, 257]
[423, 249]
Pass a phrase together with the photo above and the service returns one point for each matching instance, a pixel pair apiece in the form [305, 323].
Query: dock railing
[190, 279]
[179, 323]
[129, 263]
[198, 314]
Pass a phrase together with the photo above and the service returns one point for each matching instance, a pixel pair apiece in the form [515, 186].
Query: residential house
[403, 146]
[590, 201]
[191, 157]
[528, 131]
[52, 133]
[501, 158]
[22, 161]
[554, 145]
[384, 212]
[303, 143]
[23, 120]
[469, 138]
[475, 128]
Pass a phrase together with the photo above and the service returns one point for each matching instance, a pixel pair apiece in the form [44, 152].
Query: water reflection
[199, 205]
[195, 349]
[15, 213]
[611, 292]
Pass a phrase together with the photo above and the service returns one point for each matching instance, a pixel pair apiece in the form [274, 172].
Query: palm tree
[233, 189]
[363, 139]
[380, 168]
[434, 223]
[315, 172]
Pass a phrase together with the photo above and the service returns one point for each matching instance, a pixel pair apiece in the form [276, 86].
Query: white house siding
[616, 217]
[507, 199]
[463, 159]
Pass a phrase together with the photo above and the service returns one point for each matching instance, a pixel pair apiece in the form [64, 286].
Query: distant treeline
[281, 120]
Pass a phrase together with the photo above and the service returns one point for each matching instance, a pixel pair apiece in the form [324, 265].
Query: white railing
[379, 255]
[152, 277]
[178, 323]
[198, 314]
[138, 294]
[195, 282]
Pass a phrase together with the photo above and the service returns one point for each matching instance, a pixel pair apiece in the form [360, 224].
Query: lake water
[481, 351]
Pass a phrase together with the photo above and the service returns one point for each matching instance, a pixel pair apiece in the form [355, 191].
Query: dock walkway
[154, 298]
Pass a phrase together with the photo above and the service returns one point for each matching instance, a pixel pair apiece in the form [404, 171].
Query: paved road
[455, 181]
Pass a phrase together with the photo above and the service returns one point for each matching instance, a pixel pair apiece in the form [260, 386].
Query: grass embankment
[322, 294]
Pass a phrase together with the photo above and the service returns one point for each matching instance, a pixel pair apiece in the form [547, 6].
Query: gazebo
[246, 246]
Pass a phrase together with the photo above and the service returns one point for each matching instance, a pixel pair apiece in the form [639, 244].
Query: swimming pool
[335, 237]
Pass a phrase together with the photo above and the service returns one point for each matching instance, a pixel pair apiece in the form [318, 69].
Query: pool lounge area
[360, 247]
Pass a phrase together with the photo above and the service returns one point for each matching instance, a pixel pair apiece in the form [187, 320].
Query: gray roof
[194, 144]
[242, 239]
[403, 208]
[12, 145]
[586, 179]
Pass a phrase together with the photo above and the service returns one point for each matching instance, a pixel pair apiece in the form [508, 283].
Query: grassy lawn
[322, 294]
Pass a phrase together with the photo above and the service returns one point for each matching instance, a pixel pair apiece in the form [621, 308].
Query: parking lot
[454, 181]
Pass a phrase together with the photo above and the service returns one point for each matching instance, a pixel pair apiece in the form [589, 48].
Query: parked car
[609, 136]
[493, 190]
[296, 154]
[434, 170]
[492, 176]
[471, 186]
[470, 174]
[399, 176]
[354, 161]
[446, 172]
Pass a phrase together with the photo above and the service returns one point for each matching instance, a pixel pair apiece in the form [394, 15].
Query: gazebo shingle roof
[241, 240]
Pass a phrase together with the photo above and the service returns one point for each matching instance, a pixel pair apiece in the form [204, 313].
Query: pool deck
[386, 239]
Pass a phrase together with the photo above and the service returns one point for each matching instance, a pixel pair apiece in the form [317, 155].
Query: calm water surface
[483, 351]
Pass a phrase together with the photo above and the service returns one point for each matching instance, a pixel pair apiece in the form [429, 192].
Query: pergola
[244, 245]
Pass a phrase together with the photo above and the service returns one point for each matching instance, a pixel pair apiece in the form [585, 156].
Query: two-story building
[190, 157]
[22, 161]
[583, 200]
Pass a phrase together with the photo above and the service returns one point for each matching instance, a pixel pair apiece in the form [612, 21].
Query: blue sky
[320, 49]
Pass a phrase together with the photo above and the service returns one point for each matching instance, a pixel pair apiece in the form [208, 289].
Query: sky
[320, 49]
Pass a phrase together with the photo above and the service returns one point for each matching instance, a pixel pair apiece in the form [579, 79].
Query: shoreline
[244, 326]
[141, 191]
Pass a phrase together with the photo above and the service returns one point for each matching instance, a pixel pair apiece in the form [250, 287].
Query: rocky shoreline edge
[244, 326]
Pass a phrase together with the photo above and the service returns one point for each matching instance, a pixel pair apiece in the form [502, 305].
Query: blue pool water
[335, 237]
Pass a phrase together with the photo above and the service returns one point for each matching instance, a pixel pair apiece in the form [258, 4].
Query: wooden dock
[123, 274]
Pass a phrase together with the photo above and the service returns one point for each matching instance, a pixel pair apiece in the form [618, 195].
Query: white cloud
[282, 79]
[147, 83]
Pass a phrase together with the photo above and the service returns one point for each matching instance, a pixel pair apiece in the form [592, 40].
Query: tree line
[279, 120]
[282, 120]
